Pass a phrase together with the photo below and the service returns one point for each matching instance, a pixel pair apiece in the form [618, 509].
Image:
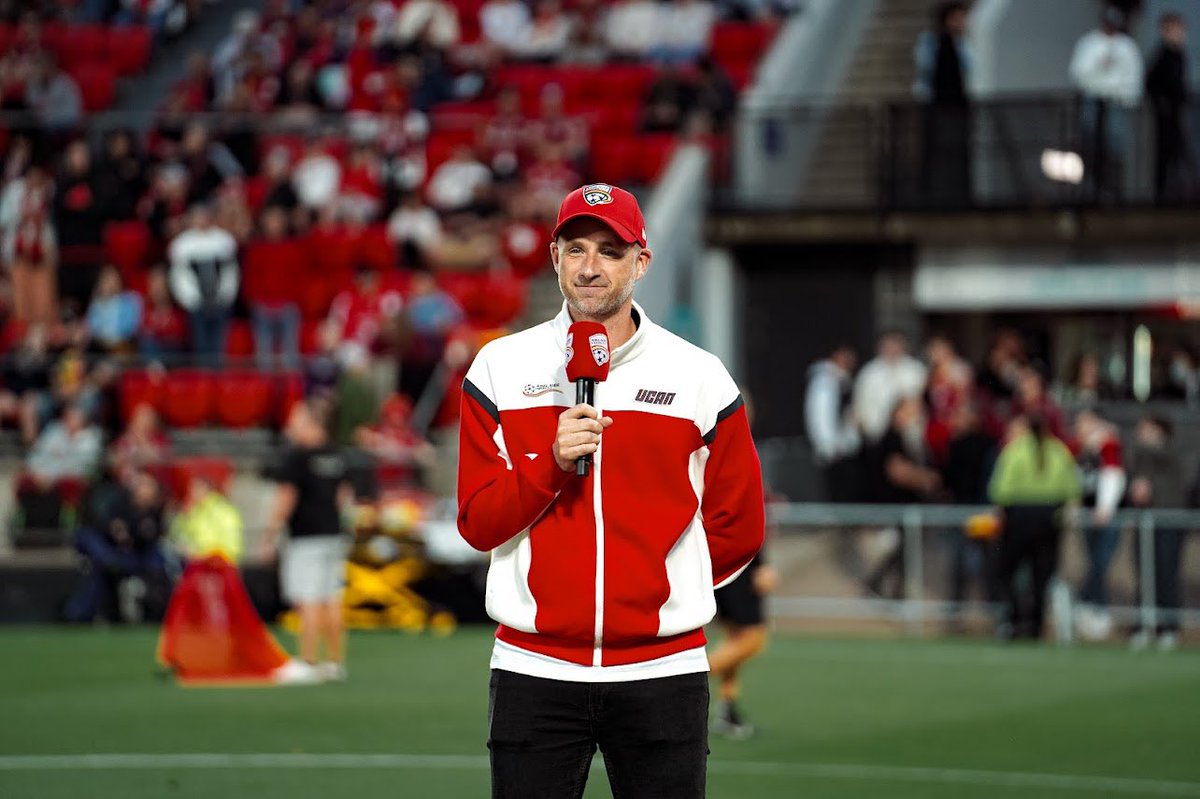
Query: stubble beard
[596, 309]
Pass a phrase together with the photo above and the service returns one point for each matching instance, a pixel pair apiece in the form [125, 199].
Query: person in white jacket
[830, 425]
[888, 377]
[1107, 69]
[204, 280]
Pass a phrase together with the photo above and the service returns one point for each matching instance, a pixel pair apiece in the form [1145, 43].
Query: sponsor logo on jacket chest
[538, 389]
[655, 397]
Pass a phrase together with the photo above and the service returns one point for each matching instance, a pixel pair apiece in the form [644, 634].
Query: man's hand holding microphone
[579, 430]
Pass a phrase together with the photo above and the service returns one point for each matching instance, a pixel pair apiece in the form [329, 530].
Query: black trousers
[1031, 536]
[653, 735]
[1168, 548]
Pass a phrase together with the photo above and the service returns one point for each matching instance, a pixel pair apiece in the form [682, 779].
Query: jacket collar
[622, 354]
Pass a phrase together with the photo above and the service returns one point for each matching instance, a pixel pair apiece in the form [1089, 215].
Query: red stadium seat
[240, 343]
[188, 398]
[741, 75]
[375, 249]
[495, 301]
[624, 83]
[11, 333]
[309, 330]
[128, 247]
[83, 44]
[139, 388]
[97, 84]
[289, 390]
[654, 153]
[54, 36]
[244, 399]
[442, 144]
[217, 471]
[740, 42]
[614, 159]
[129, 48]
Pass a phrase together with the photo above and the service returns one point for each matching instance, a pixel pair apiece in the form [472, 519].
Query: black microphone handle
[585, 394]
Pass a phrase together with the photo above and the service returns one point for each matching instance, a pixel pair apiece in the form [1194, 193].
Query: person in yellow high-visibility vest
[212, 632]
[208, 525]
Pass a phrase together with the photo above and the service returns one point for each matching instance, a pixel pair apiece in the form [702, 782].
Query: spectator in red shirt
[164, 329]
[362, 188]
[400, 450]
[365, 311]
[501, 139]
[547, 181]
[554, 126]
[1102, 472]
[272, 264]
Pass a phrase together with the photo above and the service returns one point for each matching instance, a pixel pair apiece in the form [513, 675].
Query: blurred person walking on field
[602, 583]
[313, 487]
[740, 611]
[1034, 479]
[1156, 481]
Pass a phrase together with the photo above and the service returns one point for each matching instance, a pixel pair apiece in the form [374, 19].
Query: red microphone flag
[587, 352]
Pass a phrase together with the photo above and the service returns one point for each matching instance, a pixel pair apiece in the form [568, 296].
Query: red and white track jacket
[617, 568]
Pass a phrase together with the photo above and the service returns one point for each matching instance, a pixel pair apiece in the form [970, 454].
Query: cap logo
[599, 344]
[597, 194]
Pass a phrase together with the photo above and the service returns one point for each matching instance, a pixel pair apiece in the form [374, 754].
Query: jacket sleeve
[498, 496]
[733, 506]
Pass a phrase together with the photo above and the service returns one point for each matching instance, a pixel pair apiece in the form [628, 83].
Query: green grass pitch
[839, 718]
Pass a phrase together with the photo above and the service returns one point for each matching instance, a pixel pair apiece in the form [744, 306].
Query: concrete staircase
[882, 71]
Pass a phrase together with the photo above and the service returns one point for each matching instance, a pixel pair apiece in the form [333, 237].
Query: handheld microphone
[587, 364]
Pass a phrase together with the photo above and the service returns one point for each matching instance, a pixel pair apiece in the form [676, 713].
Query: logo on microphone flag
[599, 344]
[570, 344]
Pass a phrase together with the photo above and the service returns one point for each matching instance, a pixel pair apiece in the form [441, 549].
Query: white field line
[834, 771]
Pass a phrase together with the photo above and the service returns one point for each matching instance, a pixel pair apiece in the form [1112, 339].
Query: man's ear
[554, 255]
[644, 257]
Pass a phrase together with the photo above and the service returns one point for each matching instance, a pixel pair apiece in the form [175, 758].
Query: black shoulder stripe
[726, 412]
[473, 391]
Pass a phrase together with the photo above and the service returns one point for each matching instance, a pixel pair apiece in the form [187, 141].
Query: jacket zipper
[596, 509]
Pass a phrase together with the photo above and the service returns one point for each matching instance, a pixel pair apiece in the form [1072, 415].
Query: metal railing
[1013, 152]
[916, 610]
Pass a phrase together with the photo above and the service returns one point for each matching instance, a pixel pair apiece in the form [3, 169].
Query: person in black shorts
[740, 611]
[313, 486]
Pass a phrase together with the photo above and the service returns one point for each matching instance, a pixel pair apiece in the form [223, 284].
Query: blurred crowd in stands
[905, 430]
[341, 199]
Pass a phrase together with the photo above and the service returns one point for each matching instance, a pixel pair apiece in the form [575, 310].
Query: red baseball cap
[614, 207]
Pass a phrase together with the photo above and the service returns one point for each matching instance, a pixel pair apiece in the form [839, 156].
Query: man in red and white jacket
[602, 584]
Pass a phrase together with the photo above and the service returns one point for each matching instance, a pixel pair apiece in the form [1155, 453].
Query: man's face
[597, 271]
[956, 23]
[1174, 33]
